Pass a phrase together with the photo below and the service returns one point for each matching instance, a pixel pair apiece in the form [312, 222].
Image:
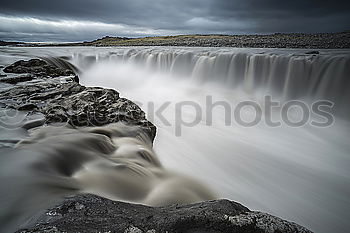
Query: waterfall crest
[284, 75]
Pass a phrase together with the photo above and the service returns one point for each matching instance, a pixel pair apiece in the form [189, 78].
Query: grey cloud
[133, 12]
[32, 29]
[285, 16]
[178, 17]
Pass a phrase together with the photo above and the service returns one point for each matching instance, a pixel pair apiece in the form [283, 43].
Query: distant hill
[277, 40]
[6, 43]
[106, 40]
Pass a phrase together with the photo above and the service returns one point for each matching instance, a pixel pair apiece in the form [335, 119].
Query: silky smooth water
[297, 173]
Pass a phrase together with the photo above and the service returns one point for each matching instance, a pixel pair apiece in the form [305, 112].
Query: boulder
[65, 100]
[89, 213]
[37, 67]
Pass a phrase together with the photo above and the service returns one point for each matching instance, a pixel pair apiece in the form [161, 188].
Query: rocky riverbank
[90, 214]
[277, 40]
[35, 87]
[56, 93]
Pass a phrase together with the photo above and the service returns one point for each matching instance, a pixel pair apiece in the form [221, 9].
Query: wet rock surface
[89, 213]
[63, 100]
[16, 79]
[37, 67]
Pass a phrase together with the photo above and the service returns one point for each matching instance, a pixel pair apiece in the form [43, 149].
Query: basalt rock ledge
[90, 214]
[56, 93]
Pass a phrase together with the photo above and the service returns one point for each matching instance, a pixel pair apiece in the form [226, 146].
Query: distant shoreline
[278, 40]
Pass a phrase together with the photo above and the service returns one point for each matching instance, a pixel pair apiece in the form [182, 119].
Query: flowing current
[192, 94]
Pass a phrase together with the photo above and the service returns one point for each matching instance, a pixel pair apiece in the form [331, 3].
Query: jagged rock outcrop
[89, 213]
[37, 67]
[62, 99]
[16, 79]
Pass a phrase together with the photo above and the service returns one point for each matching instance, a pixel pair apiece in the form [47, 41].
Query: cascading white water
[291, 75]
[299, 173]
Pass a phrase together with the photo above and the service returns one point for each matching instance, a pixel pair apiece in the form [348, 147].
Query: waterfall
[298, 173]
[285, 75]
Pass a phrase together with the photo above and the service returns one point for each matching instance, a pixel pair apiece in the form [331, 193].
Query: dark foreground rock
[16, 79]
[88, 213]
[63, 99]
[37, 67]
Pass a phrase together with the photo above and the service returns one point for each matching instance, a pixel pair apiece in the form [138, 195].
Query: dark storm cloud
[54, 19]
[133, 12]
[286, 16]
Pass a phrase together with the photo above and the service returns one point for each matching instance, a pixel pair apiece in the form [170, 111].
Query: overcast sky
[82, 20]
